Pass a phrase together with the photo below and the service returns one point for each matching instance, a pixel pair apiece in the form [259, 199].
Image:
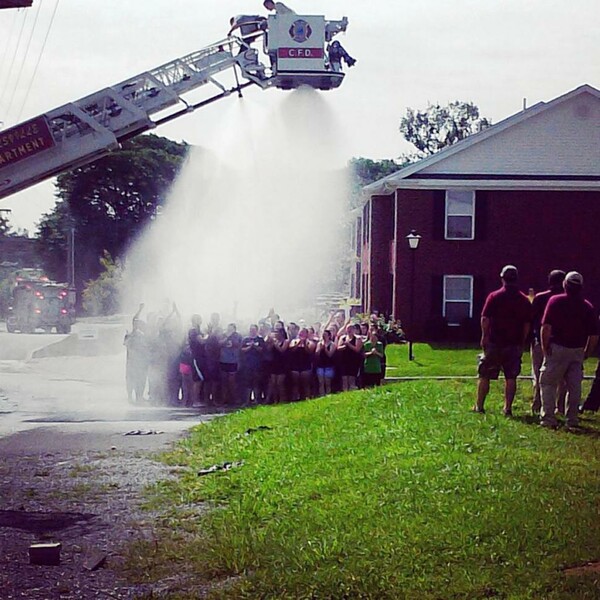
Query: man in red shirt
[538, 307]
[569, 335]
[505, 322]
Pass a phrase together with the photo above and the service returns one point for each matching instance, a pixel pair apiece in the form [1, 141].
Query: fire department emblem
[300, 31]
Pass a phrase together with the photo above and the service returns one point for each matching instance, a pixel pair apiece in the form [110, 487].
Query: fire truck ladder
[91, 127]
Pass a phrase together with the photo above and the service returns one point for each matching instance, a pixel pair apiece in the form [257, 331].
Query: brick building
[525, 191]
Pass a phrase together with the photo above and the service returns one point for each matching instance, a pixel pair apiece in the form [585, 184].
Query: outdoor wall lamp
[413, 240]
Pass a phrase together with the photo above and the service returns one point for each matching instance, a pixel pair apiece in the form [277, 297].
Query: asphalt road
[71, 391]
[65, 451]
[18, 346]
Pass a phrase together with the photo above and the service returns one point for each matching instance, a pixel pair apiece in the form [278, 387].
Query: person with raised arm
[279, 367]
[300, 360]
[325, 363]
[350, 347]
[136, 366]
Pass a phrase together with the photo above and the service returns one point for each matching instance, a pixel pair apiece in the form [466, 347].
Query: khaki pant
[537, 358]
[563, 363]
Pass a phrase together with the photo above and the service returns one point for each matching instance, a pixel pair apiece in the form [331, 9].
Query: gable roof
[552, 144]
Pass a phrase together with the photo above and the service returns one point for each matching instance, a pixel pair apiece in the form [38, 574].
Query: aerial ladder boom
[80, 132]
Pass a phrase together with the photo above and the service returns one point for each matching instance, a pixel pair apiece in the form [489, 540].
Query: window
[458, 298]
[460, 215]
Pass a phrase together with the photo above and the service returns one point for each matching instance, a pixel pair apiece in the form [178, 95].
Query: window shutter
[439, 214]
[481, 215]
[437, 295]
[479, 295]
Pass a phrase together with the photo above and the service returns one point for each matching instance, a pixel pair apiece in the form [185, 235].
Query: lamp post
[413, 239]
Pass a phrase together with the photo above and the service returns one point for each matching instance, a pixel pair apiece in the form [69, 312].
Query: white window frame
[446, 300]
[469, 214]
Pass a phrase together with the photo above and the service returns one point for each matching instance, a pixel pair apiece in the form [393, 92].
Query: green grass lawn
[437, 360]
[399, 493]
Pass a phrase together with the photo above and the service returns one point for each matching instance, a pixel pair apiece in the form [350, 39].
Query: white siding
[562, 140]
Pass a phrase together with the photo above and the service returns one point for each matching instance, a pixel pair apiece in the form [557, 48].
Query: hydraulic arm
[294, 53]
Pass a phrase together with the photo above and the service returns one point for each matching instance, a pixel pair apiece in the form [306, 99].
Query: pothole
[40, 523]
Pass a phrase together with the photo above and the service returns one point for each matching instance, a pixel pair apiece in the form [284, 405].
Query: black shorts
[228, 367]
[371, 379]
[500, 358]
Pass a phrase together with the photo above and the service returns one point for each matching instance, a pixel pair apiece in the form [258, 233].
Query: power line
[8, 41]
[12, 97]
[12, 62]
[37, 64]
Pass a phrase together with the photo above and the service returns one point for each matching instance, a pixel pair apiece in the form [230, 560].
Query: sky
[495, 53]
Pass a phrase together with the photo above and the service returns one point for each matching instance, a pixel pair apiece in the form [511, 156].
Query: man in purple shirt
[569, 335]
[505, 322]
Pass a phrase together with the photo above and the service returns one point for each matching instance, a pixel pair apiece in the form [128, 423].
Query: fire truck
[38, 303]
[283, 51]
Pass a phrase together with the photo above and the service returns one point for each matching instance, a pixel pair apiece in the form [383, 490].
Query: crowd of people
[274, 362]
[562, 327]
[277, 362]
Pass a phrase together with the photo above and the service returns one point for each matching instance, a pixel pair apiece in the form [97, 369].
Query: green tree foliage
[362, 171]
[438, 126]
[108, 203]
[52, 240]
[101, 295]
[366, 170]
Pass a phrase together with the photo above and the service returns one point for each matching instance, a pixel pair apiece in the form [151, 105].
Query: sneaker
[477, 409]
[548, 424]
[507, 412]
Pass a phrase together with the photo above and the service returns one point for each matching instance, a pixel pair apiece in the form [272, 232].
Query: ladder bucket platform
[301, 51]
[319, 80]
[295, 50]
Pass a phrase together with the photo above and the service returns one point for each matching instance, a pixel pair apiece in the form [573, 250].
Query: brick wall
[537, 231]
[382, 234]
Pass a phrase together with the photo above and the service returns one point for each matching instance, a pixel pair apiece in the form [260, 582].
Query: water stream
[253, 224]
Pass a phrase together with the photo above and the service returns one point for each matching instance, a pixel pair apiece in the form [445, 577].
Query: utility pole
[71, 258]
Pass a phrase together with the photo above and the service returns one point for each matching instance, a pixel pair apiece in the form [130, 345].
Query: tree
[107, 203]
[101, 295]
[438, 126]
[365, 170]
[52, 240]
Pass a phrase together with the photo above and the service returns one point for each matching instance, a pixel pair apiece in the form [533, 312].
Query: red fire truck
[38, 303]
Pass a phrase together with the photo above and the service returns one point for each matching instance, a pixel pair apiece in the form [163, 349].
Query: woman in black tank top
[350, 347]
[279, 343]
[325, 363]
[300, 352]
